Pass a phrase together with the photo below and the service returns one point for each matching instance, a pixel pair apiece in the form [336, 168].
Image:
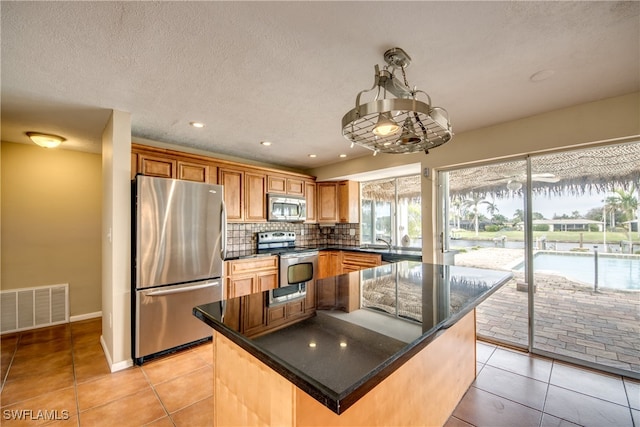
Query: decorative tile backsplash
[242, 237]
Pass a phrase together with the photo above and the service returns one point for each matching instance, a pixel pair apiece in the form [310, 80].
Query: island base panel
[424, 391]
[246, 391]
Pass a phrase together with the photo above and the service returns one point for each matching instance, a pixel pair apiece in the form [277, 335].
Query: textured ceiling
[287, 72]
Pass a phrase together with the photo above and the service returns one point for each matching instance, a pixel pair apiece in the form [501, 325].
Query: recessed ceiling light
[541, 75]
[265, 143]
[197, 124]
[312, 156]
[343, 155]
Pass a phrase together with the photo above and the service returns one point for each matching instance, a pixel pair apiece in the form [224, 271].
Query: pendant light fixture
[374, 125]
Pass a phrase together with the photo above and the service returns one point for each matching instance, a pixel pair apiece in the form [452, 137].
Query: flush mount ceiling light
[45, 140]
[376, 125]
[198, 125]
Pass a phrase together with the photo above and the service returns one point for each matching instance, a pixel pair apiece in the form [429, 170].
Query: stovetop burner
[279, 242]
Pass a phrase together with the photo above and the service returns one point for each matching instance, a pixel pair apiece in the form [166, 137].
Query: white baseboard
[114, 367]
[85, 316]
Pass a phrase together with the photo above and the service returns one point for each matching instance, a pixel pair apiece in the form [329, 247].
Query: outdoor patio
[570, 318]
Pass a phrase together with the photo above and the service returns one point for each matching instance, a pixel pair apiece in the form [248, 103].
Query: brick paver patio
[570, 318]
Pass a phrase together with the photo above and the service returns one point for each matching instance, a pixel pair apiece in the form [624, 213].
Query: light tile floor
[63, 371]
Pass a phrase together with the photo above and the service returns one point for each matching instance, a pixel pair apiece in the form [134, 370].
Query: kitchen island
[390, 345]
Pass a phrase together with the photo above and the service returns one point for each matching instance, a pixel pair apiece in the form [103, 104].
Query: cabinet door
[255, 197]
[295, 187]
[156, 166]
[310, 196]
[335, 263]
[193, 171]
[276, 184]
[310, 299]
[239, 286]
[266, 280]
[326, 294]
[323, 265]
[327, 208]
[349, 201]
[254, 315]
[232, 181]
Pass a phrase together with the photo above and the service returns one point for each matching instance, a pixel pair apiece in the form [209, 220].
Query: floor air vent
[29, 308]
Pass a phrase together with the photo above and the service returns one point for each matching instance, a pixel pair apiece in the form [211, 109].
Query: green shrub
[492, 228]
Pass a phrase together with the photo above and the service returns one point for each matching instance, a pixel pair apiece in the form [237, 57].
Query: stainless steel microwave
[286, 208]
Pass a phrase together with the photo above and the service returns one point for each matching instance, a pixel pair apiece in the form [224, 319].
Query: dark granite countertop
[366, 325]
[392, 255]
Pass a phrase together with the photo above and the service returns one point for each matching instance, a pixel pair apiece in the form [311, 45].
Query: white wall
[116, 241]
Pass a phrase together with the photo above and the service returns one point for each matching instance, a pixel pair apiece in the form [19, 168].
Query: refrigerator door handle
[180, 290]
[223, 226]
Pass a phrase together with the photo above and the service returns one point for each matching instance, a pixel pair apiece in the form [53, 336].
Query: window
[391, 211]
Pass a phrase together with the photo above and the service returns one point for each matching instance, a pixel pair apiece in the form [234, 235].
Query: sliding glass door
[566, 225]
[586, 259]
[485, 228]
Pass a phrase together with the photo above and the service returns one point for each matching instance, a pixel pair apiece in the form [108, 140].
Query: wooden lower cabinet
[331, 263]
[355, 261]
[251, 314]
[251, 275]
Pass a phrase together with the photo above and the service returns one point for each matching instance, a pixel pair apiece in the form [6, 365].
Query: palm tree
[612, 204]
[628, 203]
[473, 203]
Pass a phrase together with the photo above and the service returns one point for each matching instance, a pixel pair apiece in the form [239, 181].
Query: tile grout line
[153, 388]
[546, 393]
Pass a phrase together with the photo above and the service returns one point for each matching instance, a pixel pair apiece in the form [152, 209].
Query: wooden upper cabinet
[255, 197]
[295, 187]
[283, 185]
[310, 196]
[233, 181]
[349, 201]
[193, 171]
[151, 165]
[276, 184]
[327, 208]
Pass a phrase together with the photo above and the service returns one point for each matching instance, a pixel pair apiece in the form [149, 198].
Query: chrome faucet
[388, 243]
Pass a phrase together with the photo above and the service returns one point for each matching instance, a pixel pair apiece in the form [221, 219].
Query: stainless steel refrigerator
[178, 254]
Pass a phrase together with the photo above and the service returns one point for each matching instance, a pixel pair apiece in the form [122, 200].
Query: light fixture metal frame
[430, 124]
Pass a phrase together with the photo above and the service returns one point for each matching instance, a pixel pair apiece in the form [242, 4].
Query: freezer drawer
[164, 319]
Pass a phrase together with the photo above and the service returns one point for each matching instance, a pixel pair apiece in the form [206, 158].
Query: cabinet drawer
[353, 259]
[251, 265]
[276, 314]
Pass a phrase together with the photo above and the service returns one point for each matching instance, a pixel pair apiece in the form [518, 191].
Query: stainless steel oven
[296, 270]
